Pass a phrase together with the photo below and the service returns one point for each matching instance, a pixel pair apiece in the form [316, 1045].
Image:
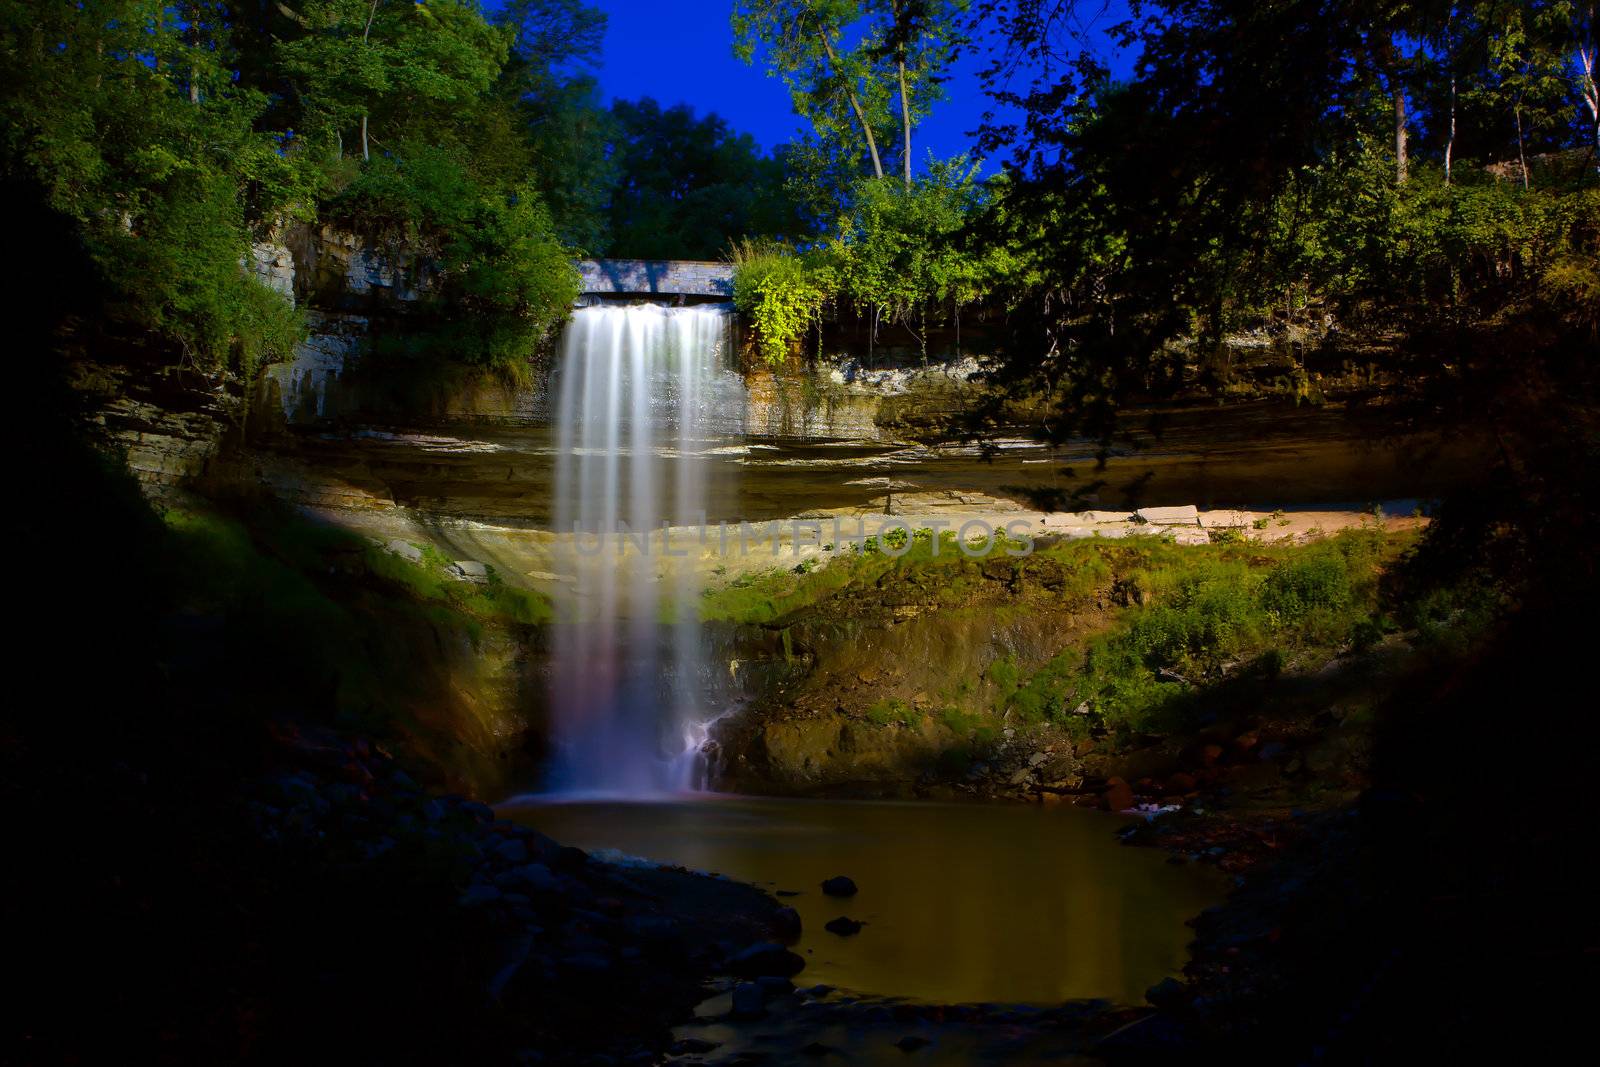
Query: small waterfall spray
[639, 392]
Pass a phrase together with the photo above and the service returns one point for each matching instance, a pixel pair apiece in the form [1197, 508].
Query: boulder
[786, 923]
[512, 851]
[748, 1001]
[844, 926]
[478, 895]
[1117, 796]
[766, 958]
[405, 550]
[536, 877]
[1186, 515]
[839, 886]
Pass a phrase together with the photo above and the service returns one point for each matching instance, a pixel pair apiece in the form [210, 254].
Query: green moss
[1205, 609]
[889, 713]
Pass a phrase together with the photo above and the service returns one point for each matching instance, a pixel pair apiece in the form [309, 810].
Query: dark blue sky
[683, 51]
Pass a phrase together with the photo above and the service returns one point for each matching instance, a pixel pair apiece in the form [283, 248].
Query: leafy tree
[128, 118]
[554, 106]
[832, 86]
[389, 63]
[687, 187]
[896, 251]
[919, 39]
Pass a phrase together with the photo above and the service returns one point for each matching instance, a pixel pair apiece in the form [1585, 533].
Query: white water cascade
[642, 393]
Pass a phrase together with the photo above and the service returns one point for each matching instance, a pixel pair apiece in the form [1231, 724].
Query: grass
[939, 569]
[1209, 613]
[1185, 617]
[326, 616]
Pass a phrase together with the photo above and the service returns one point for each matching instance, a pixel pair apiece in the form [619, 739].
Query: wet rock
[693, 1046]
[786, 923]
[748, 1001]
[479, 895]
[844, 926]
[766, 958]
[772, 986]
[1167, 993]
[481, 812]
[1118, 795]
[839, 886]
[651, 927]
[512, 851]
[535, 877]
[912, 1042]
[586, 963]
[569, 858]
[818, 1049]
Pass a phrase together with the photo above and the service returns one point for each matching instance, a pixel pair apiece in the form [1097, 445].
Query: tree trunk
[1450, 56]
[855, 105]
[1400, 138]
[1591, 91]
[905, 118]
[1450, 142]
[1522, 153]
[366, 34]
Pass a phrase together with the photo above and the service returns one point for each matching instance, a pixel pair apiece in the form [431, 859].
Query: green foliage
[506, 279]
[1214, 612]
[897, 255]
[174, 135]
[896, 249]
[131, 124]
[688, 187]
[889, 712]
[781, 294]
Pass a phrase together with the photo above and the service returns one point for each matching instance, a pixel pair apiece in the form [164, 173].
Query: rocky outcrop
[272, 264]
[168, 422]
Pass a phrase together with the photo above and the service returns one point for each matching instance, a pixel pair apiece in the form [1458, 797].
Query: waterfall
[641, 391]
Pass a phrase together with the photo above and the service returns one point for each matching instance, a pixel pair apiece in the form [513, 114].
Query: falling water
[639, 394]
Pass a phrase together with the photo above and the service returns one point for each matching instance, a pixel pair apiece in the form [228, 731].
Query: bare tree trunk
[1450, 143]
[1586, 84]
[191, 37]
[905, 117]
[1522, 154]
[855, 105]
[1450, 56]
[366, 33]
[1400, 139]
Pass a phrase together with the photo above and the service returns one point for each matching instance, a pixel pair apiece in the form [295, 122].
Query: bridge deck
[666, 277]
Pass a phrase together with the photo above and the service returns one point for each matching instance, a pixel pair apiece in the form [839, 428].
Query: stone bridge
[656, 277]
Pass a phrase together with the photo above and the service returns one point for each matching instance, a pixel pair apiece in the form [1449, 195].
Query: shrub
[780, 292]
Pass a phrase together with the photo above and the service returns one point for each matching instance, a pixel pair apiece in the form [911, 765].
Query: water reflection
[962, 902]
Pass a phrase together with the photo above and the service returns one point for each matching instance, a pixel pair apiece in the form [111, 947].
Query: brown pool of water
[962, 903]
